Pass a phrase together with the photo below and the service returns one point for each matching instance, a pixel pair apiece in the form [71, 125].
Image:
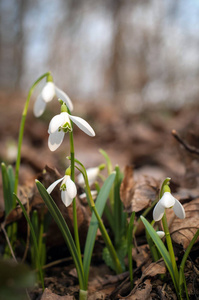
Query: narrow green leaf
[108, 161]
[7, 192]
[91, 235]
[130, 246]
[182, 265]
[162, 249]
[34, 240]
[11, 177]
[57, 216]
[120, 217]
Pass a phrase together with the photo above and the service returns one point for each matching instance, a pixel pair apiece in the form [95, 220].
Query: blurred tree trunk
[12, 42]
[114, 75]
[19, 42]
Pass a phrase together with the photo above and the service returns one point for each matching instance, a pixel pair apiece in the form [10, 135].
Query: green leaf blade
[162, 249]
[7, 192]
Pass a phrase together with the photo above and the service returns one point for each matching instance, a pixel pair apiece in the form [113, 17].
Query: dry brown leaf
[141, 254]
[155, 268]
[138, 194]
[48, 295]
[141, 291]
[182, 231]
[127, 187]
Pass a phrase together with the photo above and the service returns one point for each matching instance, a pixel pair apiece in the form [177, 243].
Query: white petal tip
[161, 234]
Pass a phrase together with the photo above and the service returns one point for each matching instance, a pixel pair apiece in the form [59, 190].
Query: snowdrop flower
[68, 189]
[47, 94]
[168, 201]
[161, 234]
[61, 124]
[92, 174]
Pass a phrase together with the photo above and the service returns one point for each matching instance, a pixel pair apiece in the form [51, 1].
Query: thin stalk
[170, 248]
[110, 169]
[102, 228]
[108, 242]
[21, 130]
[75, 224]
[117, 208]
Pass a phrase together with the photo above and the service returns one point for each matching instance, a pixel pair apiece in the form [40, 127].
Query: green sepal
[49, 77]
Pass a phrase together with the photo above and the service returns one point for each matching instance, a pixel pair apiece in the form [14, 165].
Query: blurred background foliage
[132, 52]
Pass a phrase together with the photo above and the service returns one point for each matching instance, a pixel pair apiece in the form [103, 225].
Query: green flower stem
[170, 248]
[21, 130]
[108, 242]
[102, 228]
[75, 224]
[110, 169]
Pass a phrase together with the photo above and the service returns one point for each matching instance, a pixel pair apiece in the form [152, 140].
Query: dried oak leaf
[182, 231]
[138, 194]
[155, 268]
[48, 295]
[141, 291]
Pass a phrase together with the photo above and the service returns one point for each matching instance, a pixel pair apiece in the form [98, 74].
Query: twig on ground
[188, 147]
[8, 241]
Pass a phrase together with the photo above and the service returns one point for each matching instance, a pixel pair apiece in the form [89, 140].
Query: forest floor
[153, 144]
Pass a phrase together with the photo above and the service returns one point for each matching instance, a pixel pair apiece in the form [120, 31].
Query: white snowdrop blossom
[161, 234]
[49, 91]
[61, 124]
[168, 201]
[68, 189]
[92, 174]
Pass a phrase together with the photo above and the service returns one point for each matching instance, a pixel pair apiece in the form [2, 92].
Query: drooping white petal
[83, 125]
[71, 188]
[48, 92]
[39, 106]
[65, 198]
[179, 210]
[55, 139]
[167, 200]
[158, 211]
[56, 122]
[92, 174]
[53, 185]
[161, 234]
[60, 94]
